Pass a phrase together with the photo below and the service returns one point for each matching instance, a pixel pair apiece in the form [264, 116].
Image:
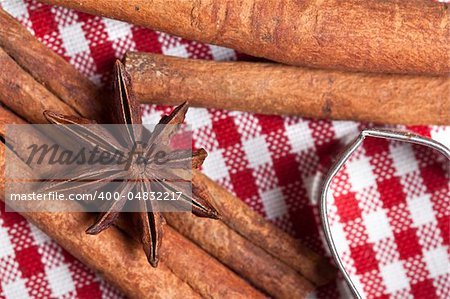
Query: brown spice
[390, 36]
[18, 89]
[49, 69]
[278, 89]
[242, 256]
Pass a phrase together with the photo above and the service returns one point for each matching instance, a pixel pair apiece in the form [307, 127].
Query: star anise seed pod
[138, 178]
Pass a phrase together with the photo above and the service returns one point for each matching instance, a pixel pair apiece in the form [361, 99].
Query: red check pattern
[388, 207]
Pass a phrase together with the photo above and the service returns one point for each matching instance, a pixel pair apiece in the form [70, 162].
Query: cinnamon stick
[203, 272]
[49, 69]
[182, 259]
[277, 89]
[244, 257]
[8, 117]
[110, 253]
[391, 36]
[24, 95]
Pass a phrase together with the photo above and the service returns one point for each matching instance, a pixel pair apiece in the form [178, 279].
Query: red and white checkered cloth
[389, 208]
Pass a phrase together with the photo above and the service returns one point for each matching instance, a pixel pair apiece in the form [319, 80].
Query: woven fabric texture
[389, 206]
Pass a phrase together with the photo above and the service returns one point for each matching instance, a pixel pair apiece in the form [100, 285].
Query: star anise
[139, 177]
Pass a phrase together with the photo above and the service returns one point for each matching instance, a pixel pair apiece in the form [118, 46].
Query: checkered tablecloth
[389, 208]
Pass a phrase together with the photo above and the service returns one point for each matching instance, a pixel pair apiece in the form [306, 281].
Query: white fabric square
[441, 134]
[116, 29]
[300, 137]
[60, 280]
[437, 261]
[150, 120]
[214, 166]
[246, 124]
[6, 247]
[179, 51]
[377, 225]
[257, 151]
[73, 39]
[421, 210]
[17, 8]
[404, 159]
[38, 236]
[198, 118]
[274, 204]
[360, 174]
[345, 129]
[394, 277]
[221, 53]
[339, 238]
[15, 290]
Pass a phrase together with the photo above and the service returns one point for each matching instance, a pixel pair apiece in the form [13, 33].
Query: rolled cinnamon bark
[250, 225]
[24, 95]
[8, 117]
[200, 270]
[31, 136]
[277, 89]
[375, 36]
[244, 257]
[48, 68]
[111, 253]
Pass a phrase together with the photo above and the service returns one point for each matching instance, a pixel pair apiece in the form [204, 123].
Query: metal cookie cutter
[376, 133]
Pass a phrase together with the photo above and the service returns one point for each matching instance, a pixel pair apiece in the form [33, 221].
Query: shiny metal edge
[376, 133]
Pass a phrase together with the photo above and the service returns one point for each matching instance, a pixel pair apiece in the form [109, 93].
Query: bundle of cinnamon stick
[253, 257]
[408, 42]
[390, 36]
